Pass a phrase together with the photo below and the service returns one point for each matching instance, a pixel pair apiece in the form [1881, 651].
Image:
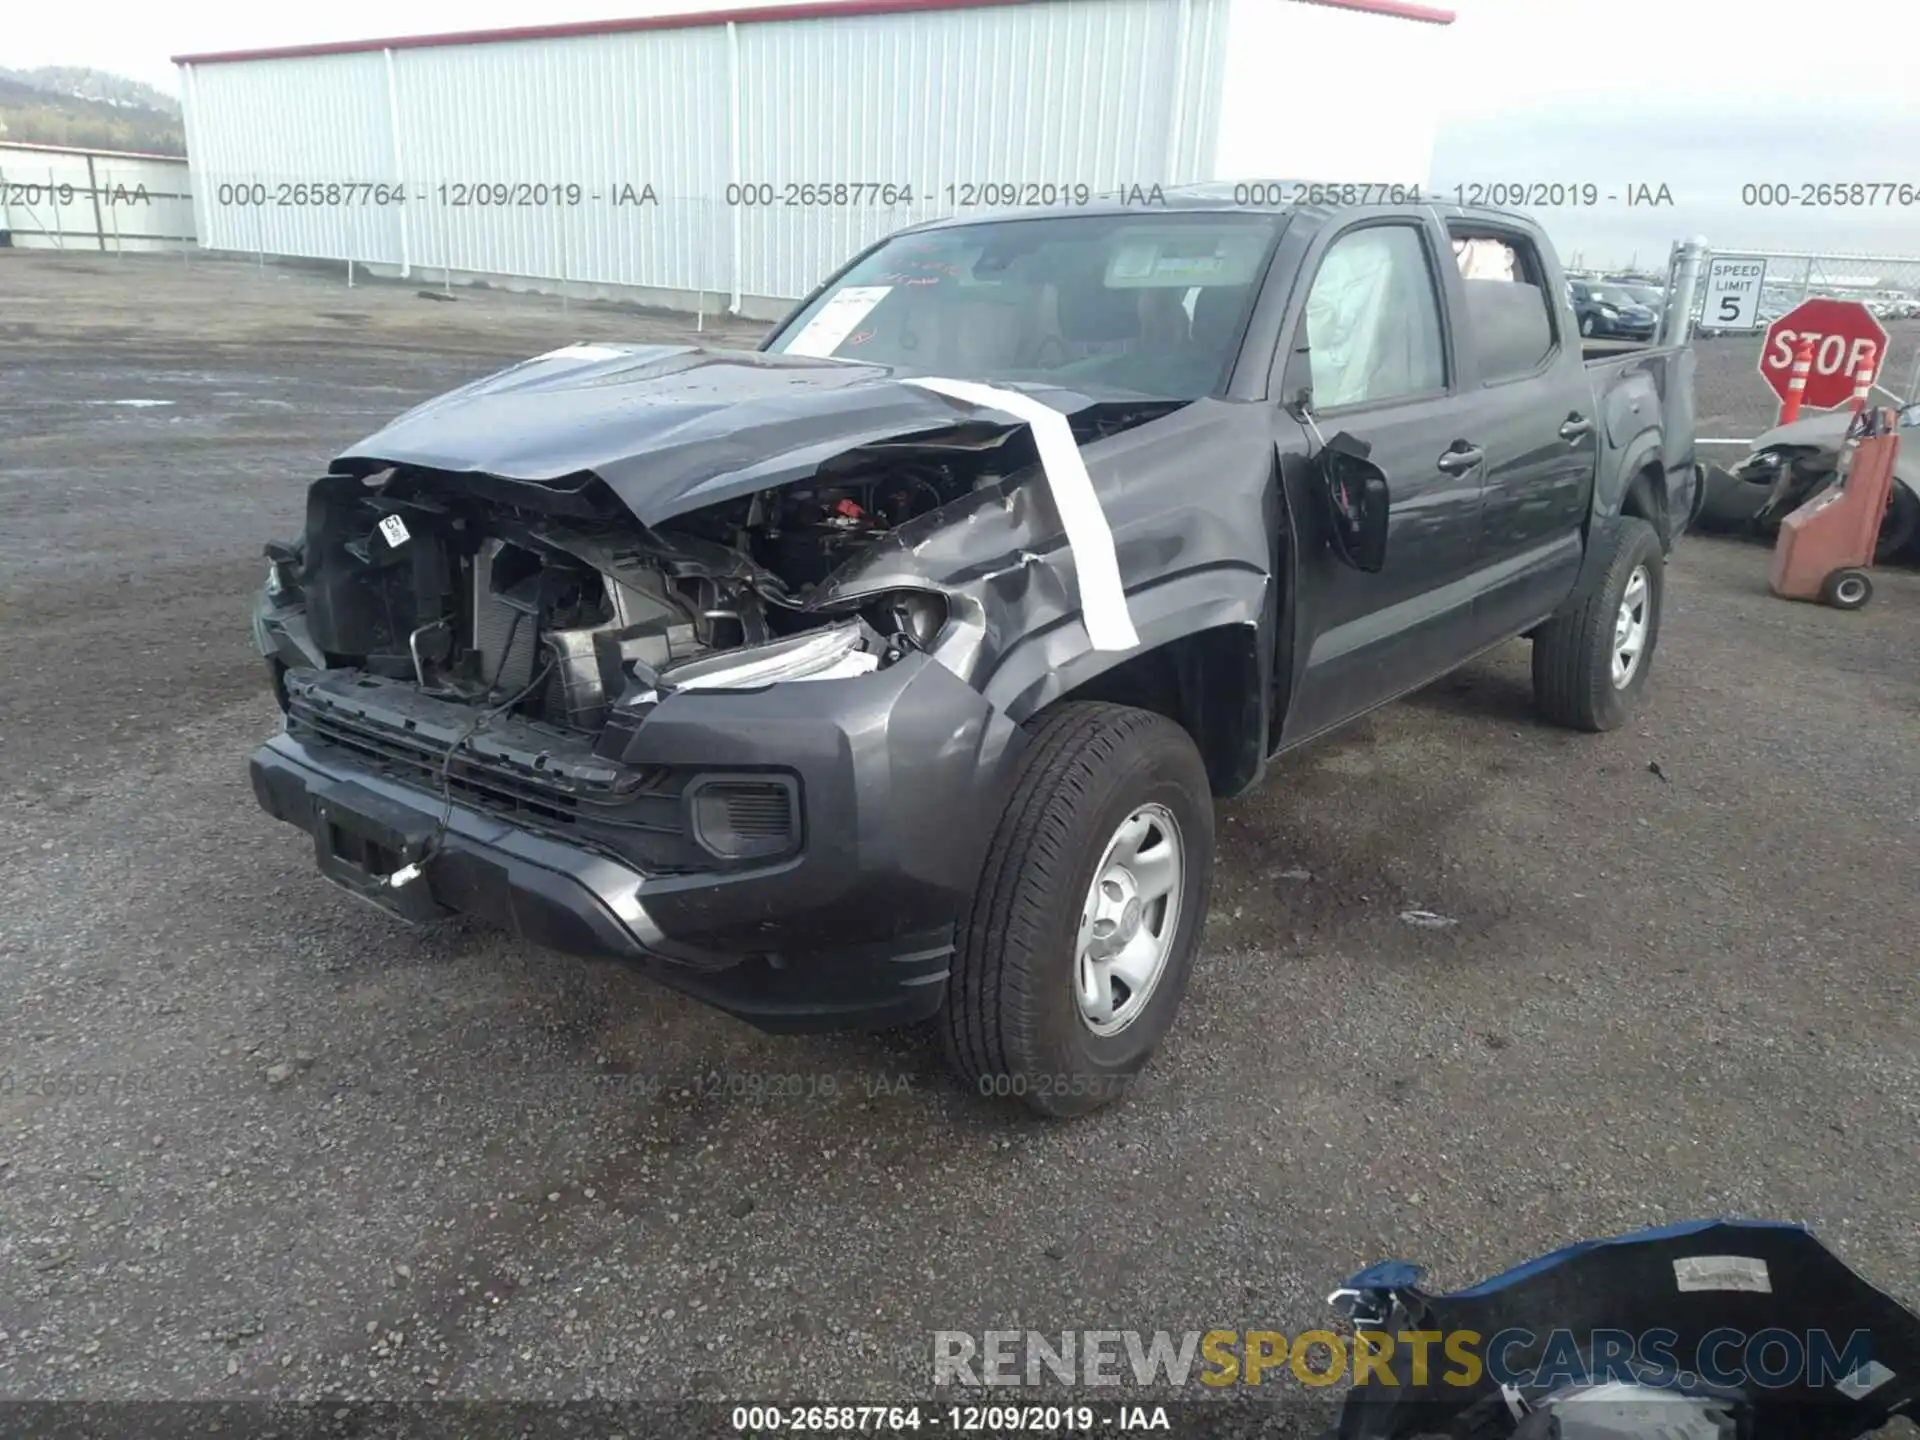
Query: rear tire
[1014, 1022]
[1847, 589]
[1578, 678]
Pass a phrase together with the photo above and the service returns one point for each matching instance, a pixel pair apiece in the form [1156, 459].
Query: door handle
[1461, 458]
[1576, 426]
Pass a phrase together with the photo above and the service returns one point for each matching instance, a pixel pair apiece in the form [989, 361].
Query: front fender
[1058, 659]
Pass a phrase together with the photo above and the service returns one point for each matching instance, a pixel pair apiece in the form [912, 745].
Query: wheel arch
[1205, 661]
[1638, 489]
[1208, 682]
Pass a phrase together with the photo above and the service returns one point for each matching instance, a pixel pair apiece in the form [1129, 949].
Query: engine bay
[557, 604]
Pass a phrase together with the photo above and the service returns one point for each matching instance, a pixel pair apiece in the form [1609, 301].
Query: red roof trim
[759, 14]
[1398, 9]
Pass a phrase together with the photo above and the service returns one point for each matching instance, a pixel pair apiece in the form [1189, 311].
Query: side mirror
[1356, 494]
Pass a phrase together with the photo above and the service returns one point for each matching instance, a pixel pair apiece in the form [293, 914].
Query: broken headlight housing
[836, 653]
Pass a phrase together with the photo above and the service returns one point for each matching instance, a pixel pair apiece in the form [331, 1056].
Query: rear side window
[1509, 316]
[1373, 320]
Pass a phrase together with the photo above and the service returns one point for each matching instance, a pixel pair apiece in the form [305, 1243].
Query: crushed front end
[675, 745]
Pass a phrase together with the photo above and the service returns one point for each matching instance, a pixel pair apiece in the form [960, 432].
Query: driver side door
[1373, 347]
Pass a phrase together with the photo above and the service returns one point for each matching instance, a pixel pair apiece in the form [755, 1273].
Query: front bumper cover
[900, 777]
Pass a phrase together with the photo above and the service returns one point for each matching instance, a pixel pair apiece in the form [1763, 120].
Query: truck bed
[1596, 352]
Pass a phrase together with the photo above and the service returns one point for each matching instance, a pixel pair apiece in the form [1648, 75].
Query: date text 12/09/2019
[891, 195]
[948, 1419]
[571, 194]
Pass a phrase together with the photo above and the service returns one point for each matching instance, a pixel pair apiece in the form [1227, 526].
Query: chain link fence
[1888, 286]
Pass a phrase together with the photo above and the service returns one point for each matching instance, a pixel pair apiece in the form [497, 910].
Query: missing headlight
[915, 616]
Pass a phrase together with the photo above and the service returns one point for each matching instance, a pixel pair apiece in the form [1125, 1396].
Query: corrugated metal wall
[53, 198]
[1086, 92]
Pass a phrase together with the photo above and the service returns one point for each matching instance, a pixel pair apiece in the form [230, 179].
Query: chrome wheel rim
[1128, 921]
[1630, 627]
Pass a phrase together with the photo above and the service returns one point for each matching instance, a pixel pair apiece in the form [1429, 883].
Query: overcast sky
[1702, 96]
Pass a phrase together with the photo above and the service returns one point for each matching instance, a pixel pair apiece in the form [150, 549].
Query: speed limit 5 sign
[1733, 293]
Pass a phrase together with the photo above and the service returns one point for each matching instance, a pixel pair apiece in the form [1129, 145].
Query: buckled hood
[669, 428]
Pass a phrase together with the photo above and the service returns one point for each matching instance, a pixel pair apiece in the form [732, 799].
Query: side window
[1509, 316]
[1373, 320]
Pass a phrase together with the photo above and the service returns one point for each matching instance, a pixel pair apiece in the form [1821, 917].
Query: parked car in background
[1608, 312]
[1787, 465]
[1654, 297]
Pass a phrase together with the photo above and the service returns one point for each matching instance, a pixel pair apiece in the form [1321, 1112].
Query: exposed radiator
[502, 592]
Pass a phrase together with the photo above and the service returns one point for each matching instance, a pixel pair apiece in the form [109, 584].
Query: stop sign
[1843, 332]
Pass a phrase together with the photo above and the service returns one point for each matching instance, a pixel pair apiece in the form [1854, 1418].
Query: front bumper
[1604, 328]
[899, 777]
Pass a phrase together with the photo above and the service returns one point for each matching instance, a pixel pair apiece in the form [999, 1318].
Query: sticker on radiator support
[1722, 1272]
[1103, 598]
[395, 531]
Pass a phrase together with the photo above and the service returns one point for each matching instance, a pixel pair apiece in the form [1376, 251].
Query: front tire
[1076, 951]
[1590, 664]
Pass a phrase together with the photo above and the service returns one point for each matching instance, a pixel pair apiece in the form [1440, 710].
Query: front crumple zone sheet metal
[1103, 598]
[668, 428]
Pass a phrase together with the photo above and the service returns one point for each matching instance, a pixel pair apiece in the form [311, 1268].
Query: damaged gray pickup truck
[888, 673]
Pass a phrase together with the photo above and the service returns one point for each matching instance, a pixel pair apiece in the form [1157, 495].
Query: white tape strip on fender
[1103, 599]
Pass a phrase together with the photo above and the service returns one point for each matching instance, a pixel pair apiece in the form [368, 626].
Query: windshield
[1612, 295]
[1150, 305]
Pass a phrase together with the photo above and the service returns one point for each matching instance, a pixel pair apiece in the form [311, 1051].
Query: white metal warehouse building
[640, 153]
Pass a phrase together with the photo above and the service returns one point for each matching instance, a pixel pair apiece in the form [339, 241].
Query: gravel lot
[257, 1139]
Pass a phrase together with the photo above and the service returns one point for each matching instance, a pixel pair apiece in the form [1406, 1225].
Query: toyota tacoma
[889, 673]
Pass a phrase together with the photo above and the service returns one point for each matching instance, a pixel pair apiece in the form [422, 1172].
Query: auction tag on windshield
[1722, 1272]
[395, 529]
[823, 333]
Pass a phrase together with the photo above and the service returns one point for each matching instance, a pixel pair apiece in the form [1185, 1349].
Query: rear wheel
[1590, 664]
[1082, 933]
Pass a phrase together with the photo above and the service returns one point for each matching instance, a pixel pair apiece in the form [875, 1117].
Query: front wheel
[1076, 951]
[1590, 663]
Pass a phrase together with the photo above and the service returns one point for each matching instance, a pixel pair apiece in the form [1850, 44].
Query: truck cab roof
[1217, 197]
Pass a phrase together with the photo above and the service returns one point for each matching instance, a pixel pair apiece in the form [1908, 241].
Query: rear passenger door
[1370, 341]
[1532, 406]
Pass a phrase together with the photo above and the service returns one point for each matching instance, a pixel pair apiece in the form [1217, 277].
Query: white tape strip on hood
[1103, 600]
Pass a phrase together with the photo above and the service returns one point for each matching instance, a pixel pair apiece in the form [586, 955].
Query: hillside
[65, 105]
